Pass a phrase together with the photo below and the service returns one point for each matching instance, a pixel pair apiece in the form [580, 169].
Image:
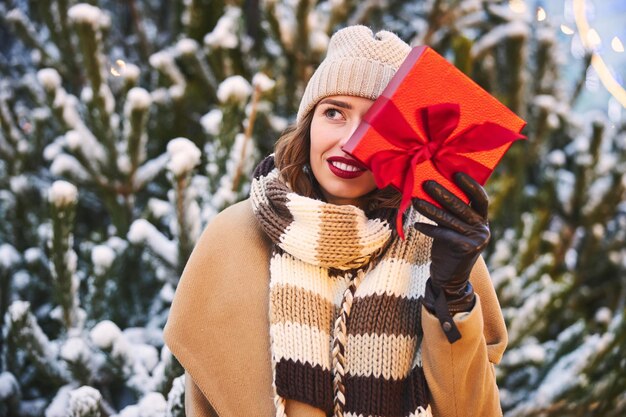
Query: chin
[341, 196]
[343, 191]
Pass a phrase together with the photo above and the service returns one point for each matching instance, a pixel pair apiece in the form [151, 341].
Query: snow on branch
[84, 402]
[105, 334]
[224, 35]
[63, 193]
[142, 232]
[184, 156]
[86, 13]
[9, 257]
[212, 121]
[499, 34]
[234, 88]
[24, 332]
[149, 170]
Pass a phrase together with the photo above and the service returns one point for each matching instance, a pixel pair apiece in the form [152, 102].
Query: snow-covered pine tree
[156, 112]
[107, 249]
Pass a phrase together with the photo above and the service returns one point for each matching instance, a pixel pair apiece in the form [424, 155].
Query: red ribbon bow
[437, 122]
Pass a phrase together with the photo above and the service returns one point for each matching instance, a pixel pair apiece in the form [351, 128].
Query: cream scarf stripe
[300, 343]
[295, 240]
[402, 348]
[306, 277]
[414, 289]
[294, 273]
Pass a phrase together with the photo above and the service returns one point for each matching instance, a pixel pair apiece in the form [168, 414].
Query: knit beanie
[358, 63]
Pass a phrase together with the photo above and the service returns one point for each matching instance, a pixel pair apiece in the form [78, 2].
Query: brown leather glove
[461, 234]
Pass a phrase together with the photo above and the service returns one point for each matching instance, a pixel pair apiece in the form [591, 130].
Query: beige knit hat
[357, 63]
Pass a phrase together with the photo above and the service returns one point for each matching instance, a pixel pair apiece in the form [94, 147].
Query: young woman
[303, 300]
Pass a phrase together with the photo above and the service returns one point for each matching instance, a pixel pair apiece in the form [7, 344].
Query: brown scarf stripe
[394, 397]
[305, 383]
[370, 396]
[269, 203]
[375, 314]
[304, 301]
[275, 224]
[340, 231]
[385, 314]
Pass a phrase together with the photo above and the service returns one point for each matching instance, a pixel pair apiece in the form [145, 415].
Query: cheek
[321, 141]
[369, 179]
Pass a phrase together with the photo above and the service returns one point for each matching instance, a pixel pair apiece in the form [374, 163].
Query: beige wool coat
[218, 328]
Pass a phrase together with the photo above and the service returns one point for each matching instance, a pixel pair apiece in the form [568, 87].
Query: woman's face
[343, 179]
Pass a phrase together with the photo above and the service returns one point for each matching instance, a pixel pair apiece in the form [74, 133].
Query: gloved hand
[461, 234]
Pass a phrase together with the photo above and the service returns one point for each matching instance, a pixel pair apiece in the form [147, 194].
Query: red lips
[345, 168]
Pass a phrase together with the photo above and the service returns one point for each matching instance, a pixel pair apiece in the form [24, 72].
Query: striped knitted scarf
[345, 300]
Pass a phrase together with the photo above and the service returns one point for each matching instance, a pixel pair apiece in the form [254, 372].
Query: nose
[350, 131]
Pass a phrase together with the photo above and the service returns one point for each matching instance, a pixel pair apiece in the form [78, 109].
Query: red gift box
[429, 123]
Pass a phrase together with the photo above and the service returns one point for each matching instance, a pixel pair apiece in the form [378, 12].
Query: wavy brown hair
[292, 157]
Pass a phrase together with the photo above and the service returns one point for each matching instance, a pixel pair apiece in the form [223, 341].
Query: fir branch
[62, 197]
[168, 371]
[185, 240]
[582, 79]
[65, 44]
[184, 156]
[102, 102]
[339, 13]
[144, 46]
[11, 136]
[176, 398]
[302, 47]
[24, 334]
[247, 135]
[516, 56]
[201, 16]
[28, 34]
[189, 55]
[10, 395]
[364, 10]
[136, 113]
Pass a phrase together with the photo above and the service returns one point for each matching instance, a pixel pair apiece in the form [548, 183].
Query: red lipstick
[345, 168]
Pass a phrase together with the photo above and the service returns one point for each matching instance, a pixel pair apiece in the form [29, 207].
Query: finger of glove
[476, 193]
[444, 234]
[452, 203]
[440, 216]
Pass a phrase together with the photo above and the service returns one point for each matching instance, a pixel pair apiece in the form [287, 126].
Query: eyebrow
[337, 103]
